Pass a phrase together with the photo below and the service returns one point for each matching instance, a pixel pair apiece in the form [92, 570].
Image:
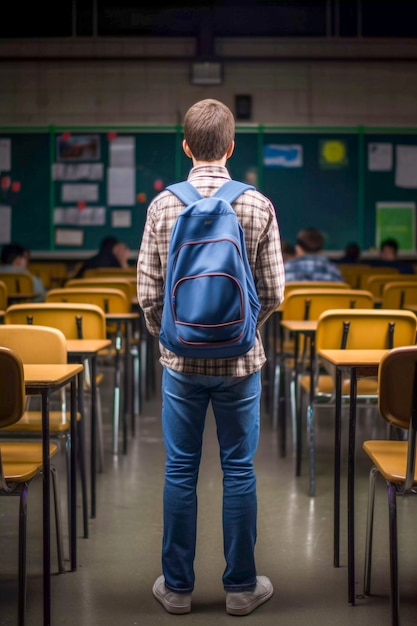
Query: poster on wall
[76, 148]
[396, 220]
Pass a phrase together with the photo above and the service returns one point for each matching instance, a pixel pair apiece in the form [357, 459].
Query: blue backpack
[210, 302]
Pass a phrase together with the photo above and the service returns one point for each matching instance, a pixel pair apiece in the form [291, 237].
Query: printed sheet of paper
[121, 219]
[406, 167]
[283, 156]
[380, 157]
[77, 171]
[69, 237]
[89, 216]
[79, 193]
[5, 224]
[5, 155]
[121, 186]
[122, 152]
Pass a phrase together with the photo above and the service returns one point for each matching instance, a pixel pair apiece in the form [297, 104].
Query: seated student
[15, 259]
[388, 257]
[112, 253]
[352, 254]
[288, 250]
[310, 262]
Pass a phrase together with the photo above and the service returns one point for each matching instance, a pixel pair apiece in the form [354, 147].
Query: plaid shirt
[312, 267]
[258, 219]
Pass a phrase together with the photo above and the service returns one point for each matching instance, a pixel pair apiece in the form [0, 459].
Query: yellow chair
[109, 282]
[375, 283]
[3, 299]
[369, 329]
[111, 271]
[19, 285]
[399, 294]
[20, 463]
[375, 271]
[394, 460]
[44, 344]
[114, 302]
[52, 273]
[76, 321]
[351, 272]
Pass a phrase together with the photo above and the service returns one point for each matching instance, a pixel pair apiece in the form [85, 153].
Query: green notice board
[66, 189]
[312, 179]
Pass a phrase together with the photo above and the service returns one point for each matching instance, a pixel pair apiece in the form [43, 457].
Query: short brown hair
[209, 129]
[310, 240]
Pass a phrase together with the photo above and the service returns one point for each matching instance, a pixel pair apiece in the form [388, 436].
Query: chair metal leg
[393, 545]
[22, 556]
[58, 520]
[100, 433]
[312, 449]
[275, 395]
[369, 531]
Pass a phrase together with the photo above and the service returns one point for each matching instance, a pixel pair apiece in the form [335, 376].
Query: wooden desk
[359, 363]
[308, 329]
[44, 380]
[80, 350]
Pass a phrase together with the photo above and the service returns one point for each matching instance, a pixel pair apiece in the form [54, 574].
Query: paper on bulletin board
[396, 220]
[5, 224]
[380, 157]
[121, 219]
[406, 167]
[121, 186]
[69, 237]
[122, 152]
[5, 155]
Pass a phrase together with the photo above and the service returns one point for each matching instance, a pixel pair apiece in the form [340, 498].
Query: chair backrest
[306, 304]
[111, 271]
[110, 300]
[52, 273]
[314, 284]
[374, 271]
[397, 398]
[75, 320]
[375, 283]
[110, 282]
[17, 282]
[351, 272]
[396, 380]
[35, 344]
[398, 294]
[365, 329]
[12, 387]
[3, 296]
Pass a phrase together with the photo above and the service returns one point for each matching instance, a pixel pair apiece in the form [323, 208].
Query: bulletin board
[64, 189]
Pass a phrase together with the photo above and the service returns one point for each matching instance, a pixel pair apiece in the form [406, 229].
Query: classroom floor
[120, 560]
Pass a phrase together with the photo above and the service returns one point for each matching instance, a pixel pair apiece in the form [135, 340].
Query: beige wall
[115, 83]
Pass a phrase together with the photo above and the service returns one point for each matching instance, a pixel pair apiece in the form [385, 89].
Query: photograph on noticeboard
[77, 148]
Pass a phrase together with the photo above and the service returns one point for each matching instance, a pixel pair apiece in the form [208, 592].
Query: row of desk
[44, 380]
[358, 363]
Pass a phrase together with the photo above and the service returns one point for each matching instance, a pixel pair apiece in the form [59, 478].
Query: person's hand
[121, 251]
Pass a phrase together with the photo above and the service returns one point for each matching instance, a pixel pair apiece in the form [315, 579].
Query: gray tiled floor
[118, 563]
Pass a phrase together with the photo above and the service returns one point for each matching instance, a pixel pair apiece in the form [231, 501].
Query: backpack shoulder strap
[232, 190]
[185, 191]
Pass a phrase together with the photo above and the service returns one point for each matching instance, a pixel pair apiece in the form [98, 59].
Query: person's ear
[230, 150]
[186, 149]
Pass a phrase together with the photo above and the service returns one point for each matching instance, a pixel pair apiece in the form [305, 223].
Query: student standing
[233, 386]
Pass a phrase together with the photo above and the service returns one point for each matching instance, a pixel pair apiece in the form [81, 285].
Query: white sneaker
[244, 602]
[178, 603]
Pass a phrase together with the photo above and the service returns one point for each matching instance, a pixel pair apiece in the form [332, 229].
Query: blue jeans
[236, 406]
